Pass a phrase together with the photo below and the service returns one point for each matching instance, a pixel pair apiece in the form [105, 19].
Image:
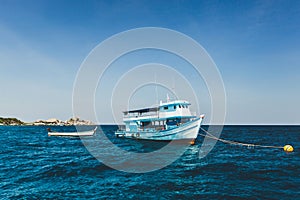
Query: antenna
[173, 87]
[156, 92]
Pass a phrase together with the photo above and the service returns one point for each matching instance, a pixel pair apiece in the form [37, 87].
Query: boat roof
[175, 102]
[154, 109]
[143, 110]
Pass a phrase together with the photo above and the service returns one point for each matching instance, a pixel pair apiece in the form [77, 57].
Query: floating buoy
[192, 142]
[288, 148]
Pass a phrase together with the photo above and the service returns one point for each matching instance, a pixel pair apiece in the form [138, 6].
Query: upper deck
[166, 110]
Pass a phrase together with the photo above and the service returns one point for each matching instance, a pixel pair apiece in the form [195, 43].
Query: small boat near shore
[72, 134]
[171, 120]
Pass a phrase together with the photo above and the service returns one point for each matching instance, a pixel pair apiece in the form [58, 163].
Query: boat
[171, 120]
[72, 134]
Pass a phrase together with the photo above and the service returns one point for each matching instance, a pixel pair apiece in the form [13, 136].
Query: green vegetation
[10, 121]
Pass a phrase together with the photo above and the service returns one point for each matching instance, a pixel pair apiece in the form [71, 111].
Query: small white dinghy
[73, 134]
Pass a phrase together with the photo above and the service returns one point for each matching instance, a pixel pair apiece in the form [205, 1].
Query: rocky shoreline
[50, 122]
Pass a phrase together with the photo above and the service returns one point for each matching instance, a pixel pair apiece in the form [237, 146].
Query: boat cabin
[165, 116]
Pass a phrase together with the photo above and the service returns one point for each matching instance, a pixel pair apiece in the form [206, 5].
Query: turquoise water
[35, 166]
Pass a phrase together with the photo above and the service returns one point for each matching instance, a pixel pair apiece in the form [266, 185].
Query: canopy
[143, 110]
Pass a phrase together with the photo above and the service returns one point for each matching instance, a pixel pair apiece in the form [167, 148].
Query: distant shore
[51, 122]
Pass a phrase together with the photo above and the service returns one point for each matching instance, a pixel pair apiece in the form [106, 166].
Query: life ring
[138, 135]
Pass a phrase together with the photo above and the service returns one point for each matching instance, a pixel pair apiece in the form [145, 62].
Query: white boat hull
[188, 130]
[73, 134]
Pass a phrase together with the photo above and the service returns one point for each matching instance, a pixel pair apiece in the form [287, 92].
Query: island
[53, 121]
[11, 121]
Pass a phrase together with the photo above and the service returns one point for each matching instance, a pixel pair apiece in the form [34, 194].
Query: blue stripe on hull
[157, 136]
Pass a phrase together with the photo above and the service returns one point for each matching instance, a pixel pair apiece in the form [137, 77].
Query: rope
[209, 135]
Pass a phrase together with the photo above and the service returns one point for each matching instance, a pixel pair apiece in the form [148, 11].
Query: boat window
[179, 106]
[175, 107]
[166, 108]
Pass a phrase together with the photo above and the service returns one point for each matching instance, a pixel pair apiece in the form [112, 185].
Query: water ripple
[35, 166]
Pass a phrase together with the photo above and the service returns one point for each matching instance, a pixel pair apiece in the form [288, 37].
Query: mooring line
[287, 148]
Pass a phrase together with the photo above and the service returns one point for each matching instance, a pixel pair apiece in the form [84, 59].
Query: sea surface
[35, 166]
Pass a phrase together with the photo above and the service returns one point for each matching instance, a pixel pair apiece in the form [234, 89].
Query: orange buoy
[192, 142]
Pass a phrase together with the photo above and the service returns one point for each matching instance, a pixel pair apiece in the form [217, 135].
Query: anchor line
[209, 135]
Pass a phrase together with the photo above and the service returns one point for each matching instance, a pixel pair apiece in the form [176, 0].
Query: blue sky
[255, 44]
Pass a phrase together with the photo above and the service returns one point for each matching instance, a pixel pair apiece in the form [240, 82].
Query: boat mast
[156, 92]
